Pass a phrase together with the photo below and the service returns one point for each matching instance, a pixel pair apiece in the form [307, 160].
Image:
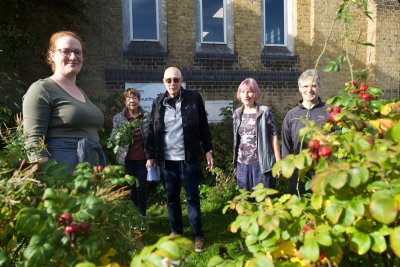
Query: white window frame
[285, 21]
[201, 24]
[131, 24]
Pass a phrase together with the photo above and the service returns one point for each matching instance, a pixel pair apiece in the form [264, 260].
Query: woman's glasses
[67, 52]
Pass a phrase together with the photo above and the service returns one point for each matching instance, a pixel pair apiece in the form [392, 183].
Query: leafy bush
[51, 218]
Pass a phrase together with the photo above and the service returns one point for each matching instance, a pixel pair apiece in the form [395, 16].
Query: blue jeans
[64, 150]
[249, 175]
[137, 168]
[177, 174]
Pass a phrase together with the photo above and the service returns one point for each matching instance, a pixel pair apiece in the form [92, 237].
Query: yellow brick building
[218, 43]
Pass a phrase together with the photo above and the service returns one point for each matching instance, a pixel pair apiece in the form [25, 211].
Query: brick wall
[383, 31]
[216, 74]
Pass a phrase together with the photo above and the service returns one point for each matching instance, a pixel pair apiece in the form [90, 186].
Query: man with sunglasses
[178, 124]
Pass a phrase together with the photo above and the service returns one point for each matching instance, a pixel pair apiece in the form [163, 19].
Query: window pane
[144, 19]
[213, 21]
[274, 22]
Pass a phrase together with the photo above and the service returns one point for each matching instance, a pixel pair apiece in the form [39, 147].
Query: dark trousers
[138, 169]
[249, 175]
[177, 174]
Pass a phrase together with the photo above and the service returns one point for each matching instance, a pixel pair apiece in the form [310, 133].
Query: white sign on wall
[150, 91]
[213, 109]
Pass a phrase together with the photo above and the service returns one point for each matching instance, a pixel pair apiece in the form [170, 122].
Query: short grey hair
[310, 73]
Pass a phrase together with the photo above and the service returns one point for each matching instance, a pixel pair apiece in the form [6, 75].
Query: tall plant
[353, 207]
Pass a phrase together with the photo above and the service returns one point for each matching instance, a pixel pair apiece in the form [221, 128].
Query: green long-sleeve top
[50, 112]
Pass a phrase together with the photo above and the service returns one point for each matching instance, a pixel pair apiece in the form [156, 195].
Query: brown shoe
[199, 244]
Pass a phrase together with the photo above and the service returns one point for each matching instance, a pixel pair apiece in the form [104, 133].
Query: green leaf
[324, 239]
[251, 240]
[37, 253]
[214, 261]
[169, 249]
[383, 209]
[348, 217]
[379, 242]
[253, 230]
[310, 249]
[377, 156]
[355, 178]
[330, 66]
[85, 264]
[394, 132]
[316, 201]
[318, 184]
[3, 258]
[31, 221]
[357, 207]
[260, 261]
[333, 213]
[394, 241]
[338, 179]
[361, 243]
[299, 161]
[287, 167]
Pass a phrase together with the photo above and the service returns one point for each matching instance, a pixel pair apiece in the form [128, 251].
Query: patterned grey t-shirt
[248, 141]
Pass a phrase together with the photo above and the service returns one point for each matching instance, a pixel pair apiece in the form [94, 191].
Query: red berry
[332, 116]
[366, 97]
[381, 133]
[314, 155]
[99, 168]
[65, 219]
[84, 227]
[305, 229]
[355, 83]
[363, 124]
[321, 256]
[324, 151]
[336, 109]
[363, 87]
[313, 144]
[71, 229]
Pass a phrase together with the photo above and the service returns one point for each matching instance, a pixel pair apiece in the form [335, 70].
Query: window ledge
[144, 49]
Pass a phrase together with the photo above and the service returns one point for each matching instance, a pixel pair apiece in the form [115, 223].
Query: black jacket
[292, 124]
[194, 123]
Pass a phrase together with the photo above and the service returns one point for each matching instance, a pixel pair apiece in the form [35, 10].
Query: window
[213, 22]
[275, 23]
[144, 20]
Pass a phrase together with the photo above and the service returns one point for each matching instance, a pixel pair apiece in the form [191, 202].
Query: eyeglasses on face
[170, 80]
[67, 52]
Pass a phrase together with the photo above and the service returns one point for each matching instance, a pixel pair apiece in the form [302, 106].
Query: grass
[215, 227]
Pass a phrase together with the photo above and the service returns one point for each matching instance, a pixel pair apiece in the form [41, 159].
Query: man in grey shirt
[178, 124]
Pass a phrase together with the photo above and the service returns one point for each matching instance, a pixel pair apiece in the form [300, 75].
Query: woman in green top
[56, 110]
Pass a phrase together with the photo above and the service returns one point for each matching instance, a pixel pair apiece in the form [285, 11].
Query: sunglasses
[175, 80]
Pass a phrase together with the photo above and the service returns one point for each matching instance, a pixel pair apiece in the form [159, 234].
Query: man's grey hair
[310, 73]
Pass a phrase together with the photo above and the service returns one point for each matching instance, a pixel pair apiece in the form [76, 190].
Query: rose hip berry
[71, 229]
[324, 151]
[99, 168]
[313, 144]
[65, 219]
[363, 87]
[366, 97]
[84, 227]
